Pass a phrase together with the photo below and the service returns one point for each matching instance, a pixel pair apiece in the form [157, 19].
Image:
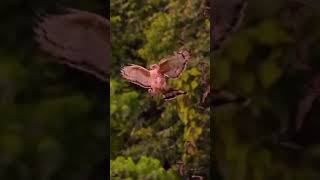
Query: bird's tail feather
[172, 94]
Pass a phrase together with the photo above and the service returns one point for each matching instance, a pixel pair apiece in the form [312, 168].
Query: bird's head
[154, 67]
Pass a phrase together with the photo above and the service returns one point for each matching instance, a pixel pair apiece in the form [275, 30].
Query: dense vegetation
[143, 32]
[272, 59]
[52, 118]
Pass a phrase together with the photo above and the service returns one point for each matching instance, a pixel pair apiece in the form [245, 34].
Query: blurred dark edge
[32, 9]
[214, 169]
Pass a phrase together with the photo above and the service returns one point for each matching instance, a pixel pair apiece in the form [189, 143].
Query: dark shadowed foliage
[53, 118]
[272, 59]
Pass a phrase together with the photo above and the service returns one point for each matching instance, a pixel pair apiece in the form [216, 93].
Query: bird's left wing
[77, 38]
[174, 65]
[137, 75]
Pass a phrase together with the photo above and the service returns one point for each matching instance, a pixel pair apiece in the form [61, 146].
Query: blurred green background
[147, 134]
[53, 119]
[264, 61]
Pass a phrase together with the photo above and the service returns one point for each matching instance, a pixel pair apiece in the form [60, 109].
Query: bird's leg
[151, 92]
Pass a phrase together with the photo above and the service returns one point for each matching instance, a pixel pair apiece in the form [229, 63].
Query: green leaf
[145, 168]
[222, 72]
[239, 49]
[194, 84]
[269, 32]
[246, 81]
[269, 73]
[195, 72]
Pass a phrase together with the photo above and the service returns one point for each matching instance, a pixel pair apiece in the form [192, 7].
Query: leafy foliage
[145, 168]
[264, 60]
[142, 34]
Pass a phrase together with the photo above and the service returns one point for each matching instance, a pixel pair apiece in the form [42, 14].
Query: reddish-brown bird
[155, 79]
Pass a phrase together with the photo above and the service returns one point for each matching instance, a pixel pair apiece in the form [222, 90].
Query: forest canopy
[142, 33]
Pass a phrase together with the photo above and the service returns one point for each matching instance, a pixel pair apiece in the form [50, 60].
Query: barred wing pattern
[174, 65]
[137, 75]
[77, 38]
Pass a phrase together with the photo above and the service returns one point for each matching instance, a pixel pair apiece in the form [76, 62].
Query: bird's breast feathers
[158, 82]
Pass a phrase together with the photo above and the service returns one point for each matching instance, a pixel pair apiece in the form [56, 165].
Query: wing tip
[122, 71]
[186, 53]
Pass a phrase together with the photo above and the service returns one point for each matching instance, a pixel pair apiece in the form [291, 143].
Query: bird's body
[158, 81]
[155, 79]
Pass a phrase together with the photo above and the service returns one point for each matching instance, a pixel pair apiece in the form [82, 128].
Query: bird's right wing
[137, 75]
[173, 66]
[77, 38]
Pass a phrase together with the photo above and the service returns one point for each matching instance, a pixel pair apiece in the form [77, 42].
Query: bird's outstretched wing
[137, 75]
[174, 65]
[77, 38]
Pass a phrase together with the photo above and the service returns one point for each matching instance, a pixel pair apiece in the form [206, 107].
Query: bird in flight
[155, 79]
[78, 39]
